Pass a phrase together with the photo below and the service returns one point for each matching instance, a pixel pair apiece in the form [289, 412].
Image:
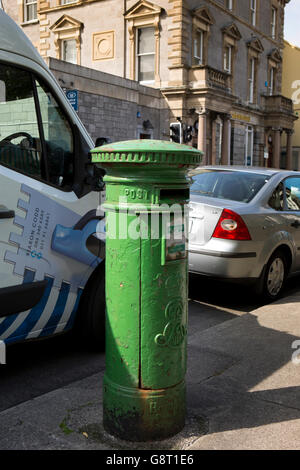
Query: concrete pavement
[243, 392]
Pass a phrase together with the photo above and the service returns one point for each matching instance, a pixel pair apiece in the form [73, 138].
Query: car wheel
[273, 277]
[90, 321]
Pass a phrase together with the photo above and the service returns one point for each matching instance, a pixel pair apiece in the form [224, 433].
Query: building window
[252, 75]
[69, 51]
[145, 55]
[67, 33]
[274, 23]
[229, 4]
[253, 12]
[272, 78]
[255, 49]
[274, 66]
[228, 59]
[231, 37]
[65, 2]
[249, 139]
[202, 20]
[198, 56]
[143, 20]
[30, 10]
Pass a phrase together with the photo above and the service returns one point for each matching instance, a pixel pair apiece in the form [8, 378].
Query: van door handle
[6, 213]
[295, 224]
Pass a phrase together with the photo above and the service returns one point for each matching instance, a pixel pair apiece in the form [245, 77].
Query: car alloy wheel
[275, 276]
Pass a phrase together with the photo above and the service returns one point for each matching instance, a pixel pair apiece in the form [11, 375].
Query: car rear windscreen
[233, 185]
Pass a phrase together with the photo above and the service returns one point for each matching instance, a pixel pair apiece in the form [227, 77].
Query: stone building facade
[216, 63]
[291, 88]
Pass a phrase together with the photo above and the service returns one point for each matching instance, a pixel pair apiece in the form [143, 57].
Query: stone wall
[114, 107]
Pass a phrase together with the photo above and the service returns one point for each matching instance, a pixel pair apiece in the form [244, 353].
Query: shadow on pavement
[241, 374]
[222, 294]
[232, 297]
[38, 367]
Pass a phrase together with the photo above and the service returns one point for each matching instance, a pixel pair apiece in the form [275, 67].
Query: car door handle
[295, 224]
[6, 213]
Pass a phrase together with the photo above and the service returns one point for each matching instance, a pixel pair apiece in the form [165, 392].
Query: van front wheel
[90, 320]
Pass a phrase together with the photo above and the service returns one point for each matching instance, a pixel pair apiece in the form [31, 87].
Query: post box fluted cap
[147, 151]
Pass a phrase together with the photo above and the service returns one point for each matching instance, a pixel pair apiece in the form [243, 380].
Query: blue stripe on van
[28, 324]
[59, 308]
[28, 277]
[7, 322]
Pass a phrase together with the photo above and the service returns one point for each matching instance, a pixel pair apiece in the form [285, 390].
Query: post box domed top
[146, 151]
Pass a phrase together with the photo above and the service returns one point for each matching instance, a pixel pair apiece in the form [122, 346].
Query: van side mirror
[94, 177]
[87, 177]
[102, 141]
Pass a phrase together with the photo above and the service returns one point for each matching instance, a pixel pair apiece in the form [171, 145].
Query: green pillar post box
[147, 190]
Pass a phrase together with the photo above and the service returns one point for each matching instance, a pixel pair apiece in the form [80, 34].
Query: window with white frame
[231, 37]
[228, 59]
[202, 21]
[30, 10]
[253, 11]
[145, 54]
[252, 74]
[65, 2]
[198, 55]
[69, 51]
[144, 42]
[272, 74]
[67, 39]
[249, 140]
[274, 23]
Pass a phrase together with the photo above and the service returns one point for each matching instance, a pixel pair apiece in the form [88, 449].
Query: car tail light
[231, 226]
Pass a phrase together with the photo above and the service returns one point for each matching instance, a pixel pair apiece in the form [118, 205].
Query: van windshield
[35, 136]
[225, 184]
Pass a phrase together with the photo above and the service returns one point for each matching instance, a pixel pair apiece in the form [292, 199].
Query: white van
[51, 260]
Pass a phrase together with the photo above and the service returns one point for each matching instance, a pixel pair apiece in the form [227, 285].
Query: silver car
[245, 226]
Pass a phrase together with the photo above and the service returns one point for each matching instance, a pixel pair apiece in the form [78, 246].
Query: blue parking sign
[72, 96]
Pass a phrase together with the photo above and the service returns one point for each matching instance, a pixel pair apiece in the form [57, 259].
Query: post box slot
[179, 194]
